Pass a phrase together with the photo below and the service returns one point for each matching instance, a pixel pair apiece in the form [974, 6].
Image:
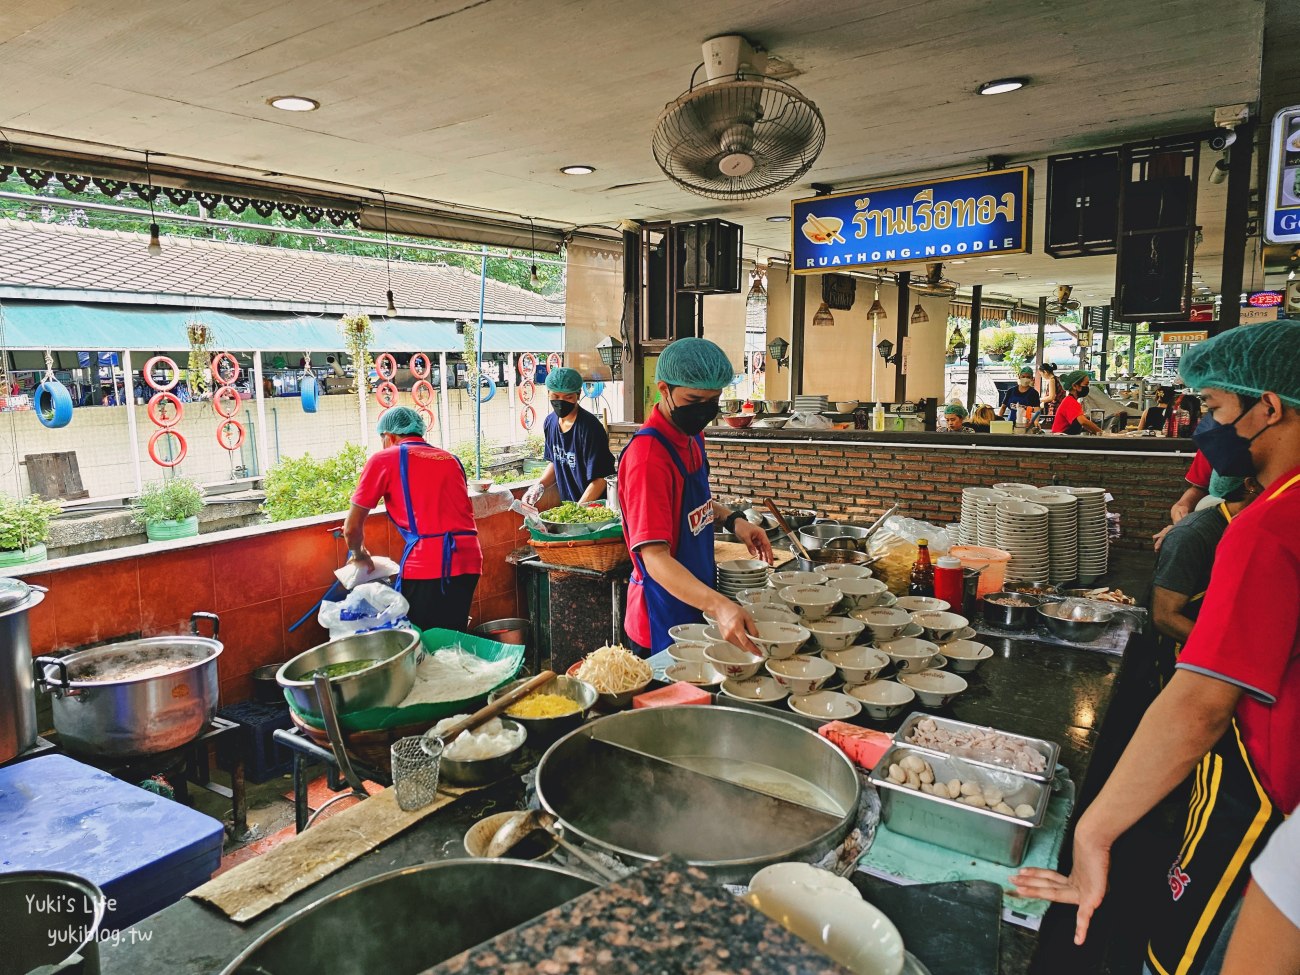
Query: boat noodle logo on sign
[1282, 212]
[978, 215]
[701, 518]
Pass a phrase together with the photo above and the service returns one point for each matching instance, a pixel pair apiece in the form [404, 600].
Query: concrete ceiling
[480, 102]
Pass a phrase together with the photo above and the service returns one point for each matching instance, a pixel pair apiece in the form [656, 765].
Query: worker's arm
[1088, 425]
[354, 534]
[733, 621]
[595, 490]
[1186, 504]
[1167, 613]
[755, 538]
[1262, 926]
[1183, 723]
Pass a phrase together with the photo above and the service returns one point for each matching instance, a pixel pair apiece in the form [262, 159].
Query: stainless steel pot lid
[13, 592]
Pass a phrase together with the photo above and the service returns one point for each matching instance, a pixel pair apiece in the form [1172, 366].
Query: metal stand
[307, 753]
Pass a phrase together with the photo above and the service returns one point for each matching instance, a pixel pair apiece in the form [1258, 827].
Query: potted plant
[300, 487]
[200, 336]
[169, 509]
[358, 335]
[535, 448]
[25, 528]
[997, 342]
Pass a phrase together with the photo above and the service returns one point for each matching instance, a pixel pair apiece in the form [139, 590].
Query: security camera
[1222, 139]
[1220, 171]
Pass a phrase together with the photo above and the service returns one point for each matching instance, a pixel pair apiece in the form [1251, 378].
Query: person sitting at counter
[1023, 394]
[577, 446]
[978, 422]
[954, 415]
[669, 511]
[1070, 416]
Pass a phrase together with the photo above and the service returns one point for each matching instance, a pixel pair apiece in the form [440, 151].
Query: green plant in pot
[300, 487]
[535, 451]
[169, 509]
[25, 528]
[997, 342]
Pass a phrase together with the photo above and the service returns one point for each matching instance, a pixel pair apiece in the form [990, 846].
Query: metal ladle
[521, 826]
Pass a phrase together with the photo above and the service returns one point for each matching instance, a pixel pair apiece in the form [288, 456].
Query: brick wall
[858, 481]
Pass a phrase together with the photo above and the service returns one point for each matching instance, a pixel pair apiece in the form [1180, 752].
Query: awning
[55, 325]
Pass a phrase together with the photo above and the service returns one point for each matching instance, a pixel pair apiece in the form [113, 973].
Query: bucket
[52, 922]
[516, 631]
[167, 530]
[995, 560]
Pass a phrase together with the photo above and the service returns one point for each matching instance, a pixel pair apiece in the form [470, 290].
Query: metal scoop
[518, 829]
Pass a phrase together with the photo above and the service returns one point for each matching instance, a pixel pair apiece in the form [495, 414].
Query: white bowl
[700, 674]
[802, 675]
[761, 688]
[857, 665]
[935, 688]
[922, 604]
[862, 593]
[964, 656]
[835, 632]
[885, 623]
[687, 653]
[810, 602]
[688, 633]
[759, 597]
[843, 570]
[776, 640]
[831, 705]
[940, 627]
[909, 654]
[830, 915]
[772, 614]
[731, 661]
[883, 699]
[794, 577]
[740, 567]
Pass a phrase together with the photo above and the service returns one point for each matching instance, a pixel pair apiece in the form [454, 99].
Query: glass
[415, 771]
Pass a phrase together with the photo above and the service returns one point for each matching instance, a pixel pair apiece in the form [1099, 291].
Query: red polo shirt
[1198, 475]
[650, 497]
[1067, 411]
[1248, 633]
[440, 497]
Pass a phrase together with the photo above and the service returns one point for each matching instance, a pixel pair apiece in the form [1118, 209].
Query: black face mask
[563, 407]
[691, 418]
[1227, 451]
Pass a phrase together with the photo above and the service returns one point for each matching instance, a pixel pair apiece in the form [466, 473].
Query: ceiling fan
[741, 134]
[933, 282]
[1063, 304]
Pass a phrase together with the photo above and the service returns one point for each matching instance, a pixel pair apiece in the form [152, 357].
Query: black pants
[432, 608]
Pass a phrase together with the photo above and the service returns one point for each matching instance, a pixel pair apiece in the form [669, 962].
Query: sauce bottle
[922, 583]
[948, 580]
[878, 418]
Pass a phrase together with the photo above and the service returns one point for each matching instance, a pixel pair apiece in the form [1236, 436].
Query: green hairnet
[564, 380]
[401, 421]
[1069, 380]
[1227, 488]
[1027, 371]
[955, 409]
[1249, 360]
[695, 363]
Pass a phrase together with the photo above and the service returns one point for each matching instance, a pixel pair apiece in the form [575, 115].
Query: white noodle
[452, 674]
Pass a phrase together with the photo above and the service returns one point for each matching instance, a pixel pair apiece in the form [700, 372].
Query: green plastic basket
[432, 640]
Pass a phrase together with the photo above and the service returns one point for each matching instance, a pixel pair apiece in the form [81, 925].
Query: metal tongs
[785, 527]
[878, 523]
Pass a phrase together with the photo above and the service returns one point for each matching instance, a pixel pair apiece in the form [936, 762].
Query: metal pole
[796, 335]
[1132, 348]
[973, 347]
[1236, 216]
[263, 458]
[904, 323]
[510, 389]
[1105, 338]
[363, 418]
[443, 405]
[478, 368]
[1042, 333]
[130, 419]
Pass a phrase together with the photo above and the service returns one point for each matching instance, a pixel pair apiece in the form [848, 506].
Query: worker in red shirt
[1070, 417]
[1231, 712]
[669, 512]
[424, 491]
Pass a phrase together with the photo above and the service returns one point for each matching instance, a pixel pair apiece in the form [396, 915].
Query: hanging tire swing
[528, 366]
[181, 447]
[386, 395]
[486, 389]
[386, 367]
[158, 412]
[226, 402]
[224, 438]
[53, 404]
[420, 365]
[554, 361]
[528, 417]
[221, 362]
[166, 363]
[422, 392]
[307, 391]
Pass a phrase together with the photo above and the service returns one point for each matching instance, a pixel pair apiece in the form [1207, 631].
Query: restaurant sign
[1264, 299]
[1282, 212]
[1184, 338]
[980, 215]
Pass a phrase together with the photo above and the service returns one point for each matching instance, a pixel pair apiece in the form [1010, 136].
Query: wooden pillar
[904, 323]
[444, 405]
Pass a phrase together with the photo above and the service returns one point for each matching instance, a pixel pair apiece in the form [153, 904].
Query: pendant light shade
[155, 243]
[391, 310]
[877, 310]
[823, 318]
[919, 315]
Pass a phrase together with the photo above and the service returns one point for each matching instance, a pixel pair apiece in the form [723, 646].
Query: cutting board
[726, 551]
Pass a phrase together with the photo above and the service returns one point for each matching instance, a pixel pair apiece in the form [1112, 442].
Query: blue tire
[307, 388]
[593, 390]
[53, 404]
[486, 392]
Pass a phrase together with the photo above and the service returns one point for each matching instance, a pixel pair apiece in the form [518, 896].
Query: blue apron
[412, 534]
[694, 549]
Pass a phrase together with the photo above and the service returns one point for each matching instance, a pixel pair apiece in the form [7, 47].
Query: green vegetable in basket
[572, 513]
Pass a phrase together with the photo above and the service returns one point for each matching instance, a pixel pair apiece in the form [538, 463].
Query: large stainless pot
[51, 922]
[17, 686]
[410, 920]
[134, 698]
[831, 556]
[831, 534]
[383, 685]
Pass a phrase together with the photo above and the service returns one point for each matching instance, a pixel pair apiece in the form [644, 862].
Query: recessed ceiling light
[993, 269]
[1002, 86]
[779, 218]
[578, 170]
[293, 103]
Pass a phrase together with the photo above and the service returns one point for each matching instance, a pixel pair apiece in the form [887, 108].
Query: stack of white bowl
[1094, 537]
[736, 576]
[1022, 531]
[971, 501]
[1062, 533]
[986, 532]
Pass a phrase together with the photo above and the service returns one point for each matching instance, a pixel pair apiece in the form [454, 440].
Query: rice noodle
[452, 674]
[613, 670]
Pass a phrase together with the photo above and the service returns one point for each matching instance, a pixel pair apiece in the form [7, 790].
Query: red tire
[164, 399]
[527, 365]
[224, 440]
[420, 365]
[386, 395]
[167, 363]
[221, 378]
[427, 417]
[526, 391]
[554, 361]
[528, 417]
[422, 393]
[386, 366]
[182, 448]
[222, 395]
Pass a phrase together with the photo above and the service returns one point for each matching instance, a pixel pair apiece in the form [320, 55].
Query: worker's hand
[755, 539]
[363, 560]
[1180, 510]
[534, 494]
[736, 624]
[1159, 537]
[1085, 887]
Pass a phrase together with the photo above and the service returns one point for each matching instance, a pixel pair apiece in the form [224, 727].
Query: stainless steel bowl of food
[366, 670]
[1074, 619]
[480, 771]
[1010, 609]
[544, 730]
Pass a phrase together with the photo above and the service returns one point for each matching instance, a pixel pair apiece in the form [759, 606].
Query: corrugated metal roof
[59, 325]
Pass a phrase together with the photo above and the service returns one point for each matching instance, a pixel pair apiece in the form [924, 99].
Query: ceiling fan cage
[738, 139]
[933, 283]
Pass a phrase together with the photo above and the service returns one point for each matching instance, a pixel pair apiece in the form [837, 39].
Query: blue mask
[1227, 451]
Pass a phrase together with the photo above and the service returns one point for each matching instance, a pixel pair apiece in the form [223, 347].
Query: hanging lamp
[533, 280]
[918, 315]
[155, 241]
[391, 309]
[823, 318]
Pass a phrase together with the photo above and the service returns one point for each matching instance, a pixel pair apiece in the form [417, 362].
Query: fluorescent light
[293, 103]
[779, 218]
[578, 170]
[1002, 86]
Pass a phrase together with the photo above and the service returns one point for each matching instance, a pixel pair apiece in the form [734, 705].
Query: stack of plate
[1062, 533]
[740, 574]
[1022, 528]
[1094, 540]
[971, 499]
[986, 529]
[811, 404]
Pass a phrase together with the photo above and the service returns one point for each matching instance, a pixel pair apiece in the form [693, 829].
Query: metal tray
[948, 823]
[1050, 750]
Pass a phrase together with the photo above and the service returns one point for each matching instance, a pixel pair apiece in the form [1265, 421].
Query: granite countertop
[668, 919]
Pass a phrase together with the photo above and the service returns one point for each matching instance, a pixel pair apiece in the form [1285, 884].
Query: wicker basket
[600, 555]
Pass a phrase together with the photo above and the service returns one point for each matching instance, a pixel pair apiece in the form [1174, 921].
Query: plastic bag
[370, 606]
[352, 575]
[911, 529]
[809, 421]
[896, 549]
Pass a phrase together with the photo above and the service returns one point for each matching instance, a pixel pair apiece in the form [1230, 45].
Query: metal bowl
[729, 406]
[537, 846]
[480, 771]
[543, 731]
[1074, 619]
[831, 556]
[776, 406]
[833, 535]
[383, 685]
[1010, 617]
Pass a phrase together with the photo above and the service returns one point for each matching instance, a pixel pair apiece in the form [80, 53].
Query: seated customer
[979, 420]
[1155, 416]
